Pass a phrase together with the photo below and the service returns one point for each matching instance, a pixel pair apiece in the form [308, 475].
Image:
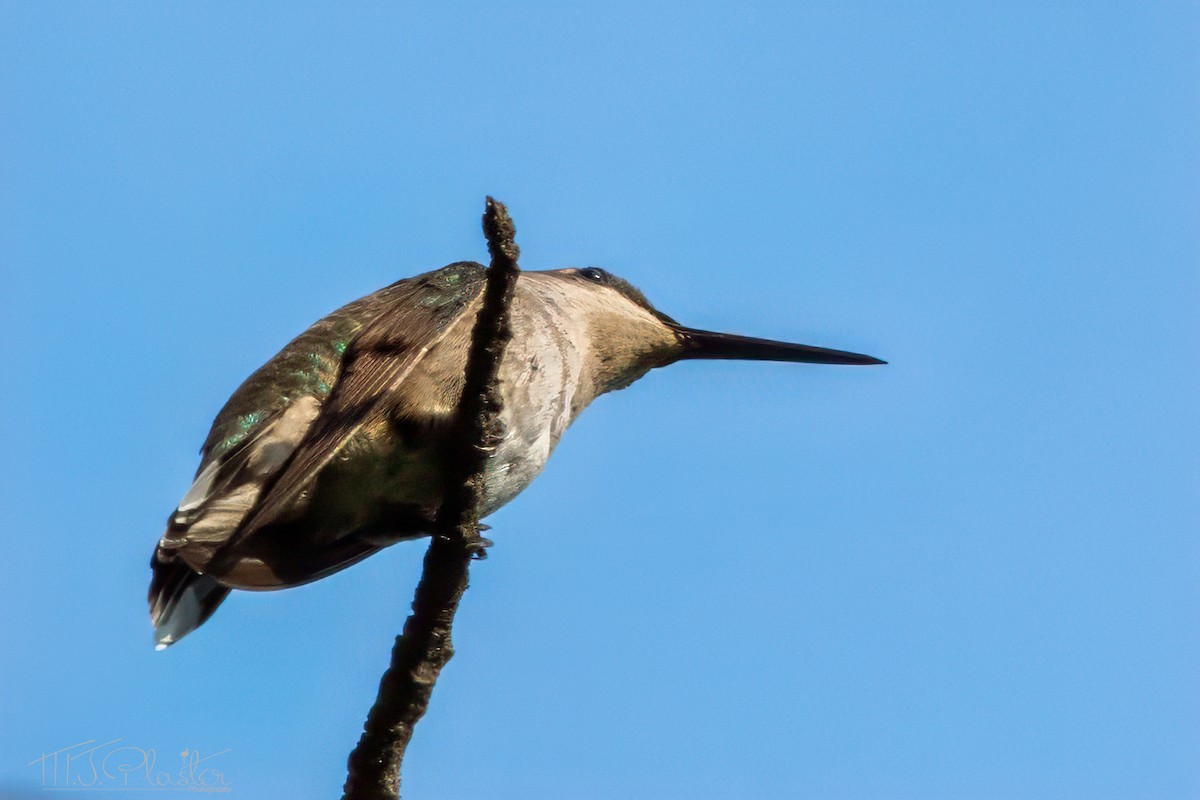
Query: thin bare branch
[424, 647]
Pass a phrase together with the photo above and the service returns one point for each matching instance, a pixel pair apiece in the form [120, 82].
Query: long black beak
[707, 344]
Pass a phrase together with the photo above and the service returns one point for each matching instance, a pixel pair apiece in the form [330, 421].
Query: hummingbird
[333, 449]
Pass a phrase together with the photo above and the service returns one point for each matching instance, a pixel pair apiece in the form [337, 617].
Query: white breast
[540, 380]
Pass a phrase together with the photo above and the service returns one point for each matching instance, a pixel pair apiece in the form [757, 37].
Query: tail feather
[181, 599]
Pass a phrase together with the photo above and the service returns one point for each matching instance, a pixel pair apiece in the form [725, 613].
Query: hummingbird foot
[477, 547]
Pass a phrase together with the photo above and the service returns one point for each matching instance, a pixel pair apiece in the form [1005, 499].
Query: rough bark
[424, 647]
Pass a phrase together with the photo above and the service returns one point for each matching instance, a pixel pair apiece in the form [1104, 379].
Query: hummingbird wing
[253, 434]
[378, 361]
[249, 446]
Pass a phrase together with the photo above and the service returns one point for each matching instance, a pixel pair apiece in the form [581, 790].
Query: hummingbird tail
[181, 599]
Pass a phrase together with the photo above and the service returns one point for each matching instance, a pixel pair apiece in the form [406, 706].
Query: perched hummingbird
[332, 450]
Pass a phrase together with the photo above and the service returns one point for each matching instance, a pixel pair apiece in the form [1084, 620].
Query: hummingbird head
[628, 336]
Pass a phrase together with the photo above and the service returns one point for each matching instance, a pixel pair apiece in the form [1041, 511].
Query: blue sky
[971, 573]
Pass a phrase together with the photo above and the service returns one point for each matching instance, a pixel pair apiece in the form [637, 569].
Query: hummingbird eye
[594, 274]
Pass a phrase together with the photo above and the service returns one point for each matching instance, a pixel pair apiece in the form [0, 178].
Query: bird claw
[477, 547]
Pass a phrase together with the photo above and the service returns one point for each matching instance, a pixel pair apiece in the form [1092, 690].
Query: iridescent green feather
[310, 364]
